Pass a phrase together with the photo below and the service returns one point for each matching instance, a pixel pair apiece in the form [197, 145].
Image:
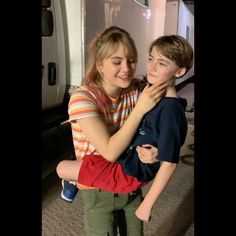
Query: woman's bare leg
[69, 169]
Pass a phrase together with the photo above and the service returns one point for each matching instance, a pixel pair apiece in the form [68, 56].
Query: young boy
[165, 126]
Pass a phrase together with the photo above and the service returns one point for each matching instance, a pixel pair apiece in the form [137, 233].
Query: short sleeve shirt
[165, 127]
[83, 103]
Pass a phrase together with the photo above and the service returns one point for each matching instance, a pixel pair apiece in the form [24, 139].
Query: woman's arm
[111, 147]
[161, 180]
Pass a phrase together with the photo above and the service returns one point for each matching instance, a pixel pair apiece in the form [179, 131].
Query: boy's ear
[181, 72]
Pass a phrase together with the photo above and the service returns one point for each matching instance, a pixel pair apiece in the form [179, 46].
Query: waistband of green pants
[135, 192]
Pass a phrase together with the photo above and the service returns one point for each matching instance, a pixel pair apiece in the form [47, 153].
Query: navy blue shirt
[165, 127]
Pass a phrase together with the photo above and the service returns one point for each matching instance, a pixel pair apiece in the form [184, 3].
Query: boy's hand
[143, 213]
[147, 153]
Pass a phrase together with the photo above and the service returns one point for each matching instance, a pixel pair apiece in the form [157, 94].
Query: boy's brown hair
[175, 48]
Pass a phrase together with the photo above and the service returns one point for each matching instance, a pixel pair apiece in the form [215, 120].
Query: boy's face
[161, 68]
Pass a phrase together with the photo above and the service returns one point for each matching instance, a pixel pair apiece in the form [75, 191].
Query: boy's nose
[154, 66]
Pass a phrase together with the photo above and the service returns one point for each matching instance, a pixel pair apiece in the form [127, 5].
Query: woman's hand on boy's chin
[149, 97]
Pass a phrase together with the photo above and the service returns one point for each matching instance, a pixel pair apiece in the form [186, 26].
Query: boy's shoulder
[174, 101]
[173, 104]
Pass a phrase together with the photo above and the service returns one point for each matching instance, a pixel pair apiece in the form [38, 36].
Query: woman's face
[161, 68]
[117, 71]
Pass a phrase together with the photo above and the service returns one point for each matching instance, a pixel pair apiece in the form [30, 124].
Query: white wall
[179, 20]
[186, 19]
[171, 20]
[186, 29]
[84, 18]
[143, 23]
[74, 21]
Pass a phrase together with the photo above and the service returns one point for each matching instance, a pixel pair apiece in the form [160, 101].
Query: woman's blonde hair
[102, 47]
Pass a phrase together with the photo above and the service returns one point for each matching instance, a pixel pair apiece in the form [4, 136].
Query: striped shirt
[83, 103]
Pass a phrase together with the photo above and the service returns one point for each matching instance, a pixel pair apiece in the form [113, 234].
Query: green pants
[103, 212]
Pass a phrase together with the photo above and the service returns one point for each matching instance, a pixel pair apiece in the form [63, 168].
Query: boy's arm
[160, 181]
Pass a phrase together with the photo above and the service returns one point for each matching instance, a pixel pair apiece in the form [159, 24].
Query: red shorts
[97, 172]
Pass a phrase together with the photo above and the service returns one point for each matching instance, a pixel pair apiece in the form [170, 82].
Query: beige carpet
[173, 213]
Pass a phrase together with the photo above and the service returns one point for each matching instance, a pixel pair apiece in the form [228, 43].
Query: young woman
[105, 113]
